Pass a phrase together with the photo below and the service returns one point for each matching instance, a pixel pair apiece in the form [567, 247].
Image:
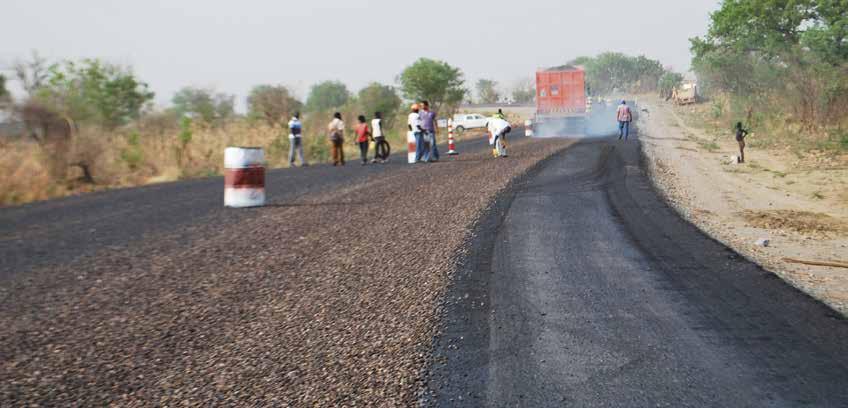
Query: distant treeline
[89, 123]
[614, 72]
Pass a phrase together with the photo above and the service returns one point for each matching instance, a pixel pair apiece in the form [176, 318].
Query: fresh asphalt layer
[60, 231]
[584, 288]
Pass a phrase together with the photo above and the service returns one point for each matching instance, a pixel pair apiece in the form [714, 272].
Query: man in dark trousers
[624, 117]
[428, 123]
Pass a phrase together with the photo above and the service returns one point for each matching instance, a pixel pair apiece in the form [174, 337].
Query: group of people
[422, 123]
[364, 136]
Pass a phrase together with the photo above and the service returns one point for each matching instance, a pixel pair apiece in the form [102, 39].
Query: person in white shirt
[498, 129]
[336, 136]
[379, 139]
[295, 143]
[414, 125]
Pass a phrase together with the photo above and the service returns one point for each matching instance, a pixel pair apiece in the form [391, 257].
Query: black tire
[460, 129]
[382, 150]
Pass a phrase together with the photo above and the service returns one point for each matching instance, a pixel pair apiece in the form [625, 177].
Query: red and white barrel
[451, 142]
[244, 177]
[528, 128]
[410, 147]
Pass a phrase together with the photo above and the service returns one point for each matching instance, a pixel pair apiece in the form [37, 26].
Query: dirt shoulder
[799, 203]
[326, 300]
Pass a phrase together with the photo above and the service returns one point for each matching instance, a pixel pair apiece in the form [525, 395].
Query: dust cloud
[601, 122]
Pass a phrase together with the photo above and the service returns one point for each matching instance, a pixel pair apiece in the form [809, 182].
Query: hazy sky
[233, 45]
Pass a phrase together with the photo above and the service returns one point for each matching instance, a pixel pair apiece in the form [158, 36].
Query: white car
[463, 121]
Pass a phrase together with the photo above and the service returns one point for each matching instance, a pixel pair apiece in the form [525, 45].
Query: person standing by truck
[295, 143]
[428, 123]
[624, 117]
[336, 136]
[362, 138]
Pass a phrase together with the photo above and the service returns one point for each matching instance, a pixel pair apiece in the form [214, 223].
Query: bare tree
[32, 74]
[54, 134]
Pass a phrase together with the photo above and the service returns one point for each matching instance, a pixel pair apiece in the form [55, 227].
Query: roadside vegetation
[613, 73]
[780, 67]
[88, 125]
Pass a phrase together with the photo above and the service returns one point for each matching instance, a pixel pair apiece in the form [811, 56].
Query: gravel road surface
[157, 296]
[582, 288]
[60, 231]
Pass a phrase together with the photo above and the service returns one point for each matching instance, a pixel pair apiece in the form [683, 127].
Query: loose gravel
[332, 300]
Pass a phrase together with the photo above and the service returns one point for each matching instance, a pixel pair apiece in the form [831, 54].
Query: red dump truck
[561, 99]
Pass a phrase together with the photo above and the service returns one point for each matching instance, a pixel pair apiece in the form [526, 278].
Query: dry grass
[150, 152]
[804, 222]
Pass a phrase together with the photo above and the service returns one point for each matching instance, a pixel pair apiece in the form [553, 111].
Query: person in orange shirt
[363, 135]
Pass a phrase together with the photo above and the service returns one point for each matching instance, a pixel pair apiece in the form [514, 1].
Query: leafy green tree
[327, 95]
[272, 103]
[377, 97]
[205, 104]
[486, 90]
[668, 82]
[614, 71]
[92, 90]
[783, 55]
[435, 81]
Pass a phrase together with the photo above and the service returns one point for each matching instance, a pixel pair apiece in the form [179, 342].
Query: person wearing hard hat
[414, 125]
[498, 129]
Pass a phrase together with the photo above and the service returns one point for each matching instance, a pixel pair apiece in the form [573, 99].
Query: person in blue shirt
[295, 142]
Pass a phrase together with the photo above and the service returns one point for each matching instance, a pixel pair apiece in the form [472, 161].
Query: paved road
[584, 289]
[63, 230]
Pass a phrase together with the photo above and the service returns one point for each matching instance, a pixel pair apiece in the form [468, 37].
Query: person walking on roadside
[295, 143]
[379, 138]
[500, 114]
[363, 135]
[498, 129]
[336, 136]
[740, 138]
[428, 123]
[624, 117]
[414, 124]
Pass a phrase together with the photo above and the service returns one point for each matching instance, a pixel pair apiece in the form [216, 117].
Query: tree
[380, 98]
[327, 95]
[524, 91]
[4, 93]
[668, 82]
[92, 90]
[31, 74]
[486, 90]
[434, 81]
[790, 54]
[272, 103]
[206, 104]
[616, 72]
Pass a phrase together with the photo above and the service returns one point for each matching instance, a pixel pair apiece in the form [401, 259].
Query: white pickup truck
[463, 121]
